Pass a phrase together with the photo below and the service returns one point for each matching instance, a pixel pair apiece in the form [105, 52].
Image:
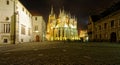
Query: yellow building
[63, 27]
[105, 26]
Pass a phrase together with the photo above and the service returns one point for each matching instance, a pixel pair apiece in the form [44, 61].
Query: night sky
[78, 8]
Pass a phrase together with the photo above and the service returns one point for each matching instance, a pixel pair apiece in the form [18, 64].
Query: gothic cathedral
[62, 27]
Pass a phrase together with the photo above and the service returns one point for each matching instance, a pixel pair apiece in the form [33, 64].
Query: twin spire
[62, 13]
[52, 11]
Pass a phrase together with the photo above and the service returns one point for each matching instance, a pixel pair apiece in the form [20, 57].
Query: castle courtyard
[60, 53]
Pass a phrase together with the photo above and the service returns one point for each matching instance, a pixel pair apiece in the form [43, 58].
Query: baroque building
[17, 23]
[61, 27]
[106, 25]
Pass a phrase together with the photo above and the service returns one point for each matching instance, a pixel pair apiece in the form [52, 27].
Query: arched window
[7, 18]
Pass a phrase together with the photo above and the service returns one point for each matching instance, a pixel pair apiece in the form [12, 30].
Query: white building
[15, 22]
[38, 28]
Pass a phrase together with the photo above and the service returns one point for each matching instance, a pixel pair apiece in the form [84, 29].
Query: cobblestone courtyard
[60, 53]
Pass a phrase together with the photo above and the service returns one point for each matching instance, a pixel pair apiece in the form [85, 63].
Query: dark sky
[79, 8]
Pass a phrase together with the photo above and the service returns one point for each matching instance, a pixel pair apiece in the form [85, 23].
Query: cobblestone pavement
[60, 53]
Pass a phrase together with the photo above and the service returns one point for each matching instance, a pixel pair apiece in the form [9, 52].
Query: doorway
[113, 37]
[37, 38]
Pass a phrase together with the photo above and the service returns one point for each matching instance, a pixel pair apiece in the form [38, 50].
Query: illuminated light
[87, 38]
[36, 31]
[84, 35]
[66, 25]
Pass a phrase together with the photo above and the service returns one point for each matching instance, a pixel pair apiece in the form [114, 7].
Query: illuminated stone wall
[39, 28]
[16, 19]
[23, 18]
[6, 14]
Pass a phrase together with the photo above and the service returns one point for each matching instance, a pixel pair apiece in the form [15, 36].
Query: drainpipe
[14, 35]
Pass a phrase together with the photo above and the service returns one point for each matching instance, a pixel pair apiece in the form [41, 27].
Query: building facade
[16, 22]
[105, 27]
[39, 28]
[61, 27]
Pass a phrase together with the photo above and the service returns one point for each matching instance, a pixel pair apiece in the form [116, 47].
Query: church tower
[51, 24]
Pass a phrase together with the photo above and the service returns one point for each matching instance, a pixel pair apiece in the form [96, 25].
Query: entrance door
[113, 37]
[37, 38]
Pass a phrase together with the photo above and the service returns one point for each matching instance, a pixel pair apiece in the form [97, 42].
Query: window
[7, 18]
[96, 36]
[16, 7]
[96, 28]
[36, 28]
[112, 23]
[119, 22]
[106, 36]
[5, 40]
[5, 28]
[29, 33]
[21, 40]
[58, 32]
[7, 2]
[29, 15]
[63, 33]
[22, 29]
[23, 9]
[89, 23]
[36, 18]
[119, 34]
[105, 25]
[26, 12]
[99, 27]
[100, 36]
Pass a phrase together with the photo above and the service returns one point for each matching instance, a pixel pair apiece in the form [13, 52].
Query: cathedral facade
[61, 27]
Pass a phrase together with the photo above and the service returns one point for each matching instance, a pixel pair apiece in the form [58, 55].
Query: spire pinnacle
[51, 9]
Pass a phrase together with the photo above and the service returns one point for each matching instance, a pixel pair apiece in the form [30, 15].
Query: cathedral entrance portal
[113, 37]
[37, 38]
